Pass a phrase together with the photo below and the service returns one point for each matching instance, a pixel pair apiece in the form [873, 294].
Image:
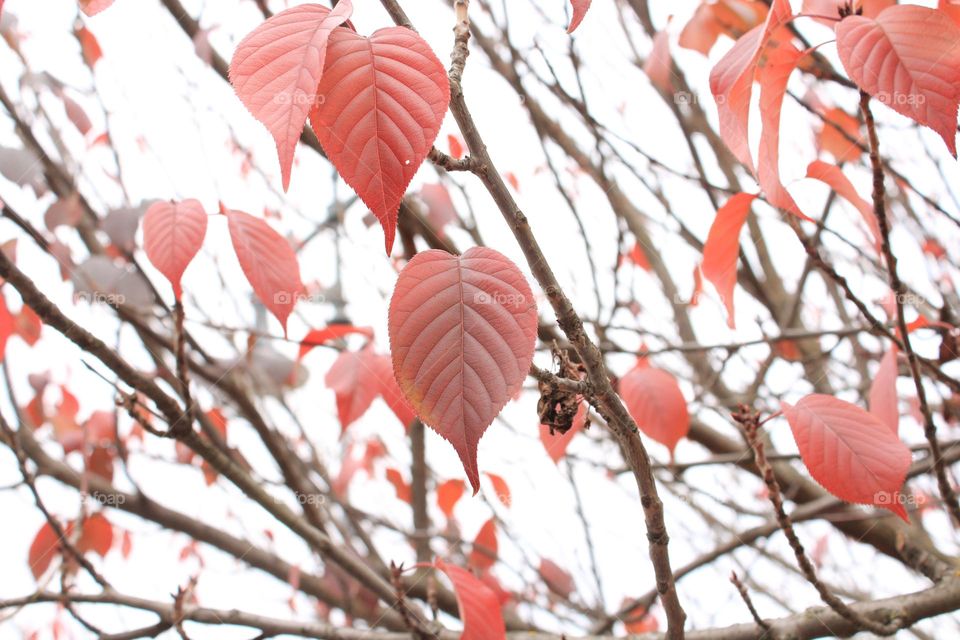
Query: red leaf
[580, 8]
[836, 180]
[656, 403]
[404, 492]
[7, 325]
[448, 494]
[93, 7]
[483, 554]
[44, 548]
[173, 233]
[556, 444]
[883, 392]
[28, 325]
[318, 337]
[383, 101]
[268, 262]
[76, 115]
[350, 379]
[909, 59]
[126, 545]
[638, 257]
[722, 249]
[100, 463]
[479, 605]
[501, 487]
[557, 580]
[456, 147]
[462, 332]
[850, 452]
[89, 47]
[96, 535]
[277, 68]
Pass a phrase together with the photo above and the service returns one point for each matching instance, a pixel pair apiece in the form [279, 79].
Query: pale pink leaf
[850, 452]
[883, 392]
[462, 333]
[268, 262]
[173, 233]
[352, 379]
[276, 69]
[832, 176]
[658, 64]
[908, 58]
[93, 7]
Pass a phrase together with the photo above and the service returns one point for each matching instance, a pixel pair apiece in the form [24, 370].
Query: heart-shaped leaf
[380, 105]
[850, 452]
[277, 67]
[173, 233]
[462, 334]
[722, 249]
[656, 403]
[478, 603]
[268, 261]
[908, 58]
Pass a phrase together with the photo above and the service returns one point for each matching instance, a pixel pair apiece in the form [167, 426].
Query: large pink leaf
[731, 82]
[849, 451]
[269, 263]
[722, 248]
[276, 69]
[580, 8]
[478, 603]
[883, 392]
[656, 403]
[909, 59]
[173, 233]
[382, 101]
[462, 332]
[835, 178]
[353, 380]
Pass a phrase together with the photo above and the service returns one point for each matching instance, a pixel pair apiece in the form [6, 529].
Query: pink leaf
[656, 403]
[383, 99]
[93, 7]
[479, 605]
[268, 262]
[580, 8]
[557, 579]
[462, 332]
[722, 248]
[836, 180]
[850, 452]
[731, 82]
[658, 65]
[448, 495]
[909, 59]
[173, 233]
[351, 378]
[883, 392]
[7, 325]
[774, 67]
[950, 8]
[277, 68]
[502, 489]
